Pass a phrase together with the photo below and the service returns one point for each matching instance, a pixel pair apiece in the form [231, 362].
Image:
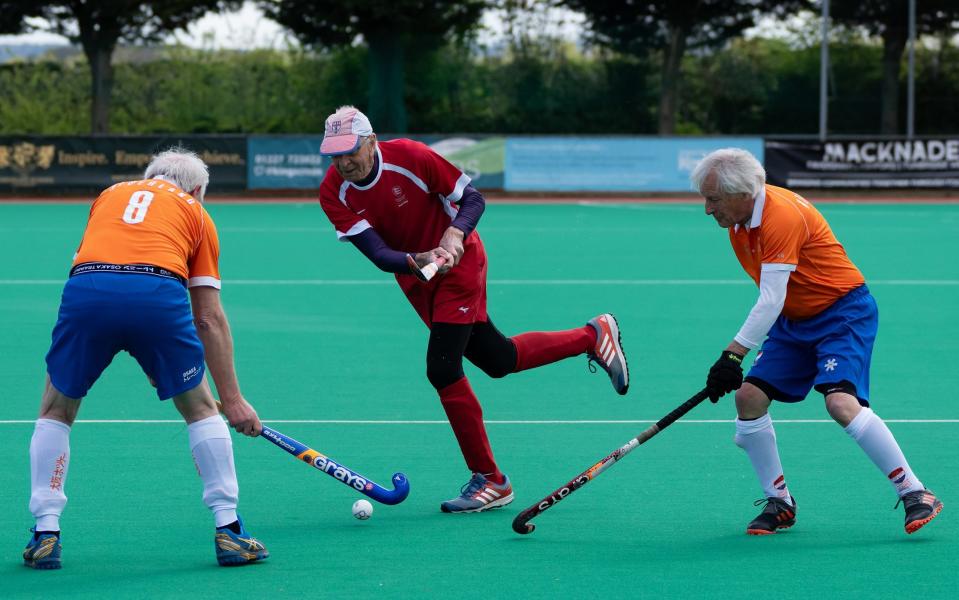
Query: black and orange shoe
[921, 507]
[777, 514]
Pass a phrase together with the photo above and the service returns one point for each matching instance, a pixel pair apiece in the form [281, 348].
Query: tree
[671, 27]
[889, 19]
[389, 28]
[99, 26]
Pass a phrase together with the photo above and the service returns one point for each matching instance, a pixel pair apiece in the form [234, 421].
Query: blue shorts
[104, 313]
[832, 347]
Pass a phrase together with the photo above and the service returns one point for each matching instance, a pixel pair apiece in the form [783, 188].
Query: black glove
[725, 375]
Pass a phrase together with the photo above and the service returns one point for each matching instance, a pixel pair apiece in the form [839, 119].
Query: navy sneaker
[608, 352]
[238, 548]
[777, 514]
[921, 507]
[42, 551]
[480, 494]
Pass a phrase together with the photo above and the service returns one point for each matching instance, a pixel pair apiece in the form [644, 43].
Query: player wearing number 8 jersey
[398, 200]
[146, 243]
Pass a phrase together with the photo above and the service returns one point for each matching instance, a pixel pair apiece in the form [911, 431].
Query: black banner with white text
[931, 163]
[90, 164]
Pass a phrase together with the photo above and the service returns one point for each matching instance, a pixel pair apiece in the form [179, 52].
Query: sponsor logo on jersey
[399, 196]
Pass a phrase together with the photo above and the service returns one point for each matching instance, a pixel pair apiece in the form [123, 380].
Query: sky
[248, 28]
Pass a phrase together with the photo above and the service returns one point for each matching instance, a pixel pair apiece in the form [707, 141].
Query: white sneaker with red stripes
[608, 352]
[480, 494]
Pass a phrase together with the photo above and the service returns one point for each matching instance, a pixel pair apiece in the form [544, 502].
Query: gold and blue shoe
[238, 548]
[42, 551]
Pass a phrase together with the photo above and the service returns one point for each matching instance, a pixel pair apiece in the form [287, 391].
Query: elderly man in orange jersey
[146, 244]
[816, 322]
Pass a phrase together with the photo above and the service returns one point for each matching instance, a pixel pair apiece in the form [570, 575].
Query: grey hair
[737, 172]
[181, 167]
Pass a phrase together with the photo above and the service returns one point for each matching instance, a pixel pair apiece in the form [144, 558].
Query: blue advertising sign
[609, 164]
[283, 162]
[290, 162]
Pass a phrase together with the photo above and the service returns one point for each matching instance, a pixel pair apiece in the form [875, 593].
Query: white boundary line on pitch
[502, 422]
[334, 282]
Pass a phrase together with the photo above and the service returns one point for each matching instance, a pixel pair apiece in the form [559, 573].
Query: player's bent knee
[751, 401]
[58, 406]
[498, 369]
[842, 404]
[196, 403]
[443, 373]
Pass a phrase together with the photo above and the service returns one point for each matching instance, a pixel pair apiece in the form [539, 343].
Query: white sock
[212, 451]
[872, 435]
[49, 461]
[758, 438]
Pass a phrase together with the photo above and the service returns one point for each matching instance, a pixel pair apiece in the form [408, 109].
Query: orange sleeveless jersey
[152, 222]
[793, 232]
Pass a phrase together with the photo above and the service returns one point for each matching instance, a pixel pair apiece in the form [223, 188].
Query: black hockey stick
[521, 523]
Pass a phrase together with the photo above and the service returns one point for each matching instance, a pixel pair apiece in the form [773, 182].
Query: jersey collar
[758, 205]
[379, 171]
[167, 180]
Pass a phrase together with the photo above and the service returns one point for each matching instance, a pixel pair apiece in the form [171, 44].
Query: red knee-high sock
[538, 348]
[466, 417]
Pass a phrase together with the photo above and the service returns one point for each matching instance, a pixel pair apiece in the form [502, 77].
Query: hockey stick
[341, 472]
[427, 272]
[335, 470]
[521, 523]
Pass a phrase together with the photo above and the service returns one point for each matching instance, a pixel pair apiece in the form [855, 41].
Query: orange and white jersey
[788, 233]
[152, 222]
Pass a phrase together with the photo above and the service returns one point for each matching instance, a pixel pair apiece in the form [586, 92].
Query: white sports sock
[212, 451]
[49, 461]
[758, 438]
[872, 435]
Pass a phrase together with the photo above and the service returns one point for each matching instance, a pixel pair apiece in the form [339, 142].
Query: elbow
[208, 321]
[383, 266]
[776, 307]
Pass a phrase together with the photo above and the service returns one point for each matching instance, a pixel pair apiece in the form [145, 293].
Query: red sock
[466, 418]
[538, 348]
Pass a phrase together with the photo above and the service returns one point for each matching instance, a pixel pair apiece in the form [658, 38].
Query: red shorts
[458, 296]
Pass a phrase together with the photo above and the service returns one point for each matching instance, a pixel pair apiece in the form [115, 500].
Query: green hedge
[752, 87]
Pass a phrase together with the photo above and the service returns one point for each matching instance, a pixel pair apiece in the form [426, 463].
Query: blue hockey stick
[340, 472]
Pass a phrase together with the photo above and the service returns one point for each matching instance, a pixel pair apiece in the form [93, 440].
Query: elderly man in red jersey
[399, 200]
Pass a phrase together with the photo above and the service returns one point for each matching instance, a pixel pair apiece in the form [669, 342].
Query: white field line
[562, 282]
[493, 422]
